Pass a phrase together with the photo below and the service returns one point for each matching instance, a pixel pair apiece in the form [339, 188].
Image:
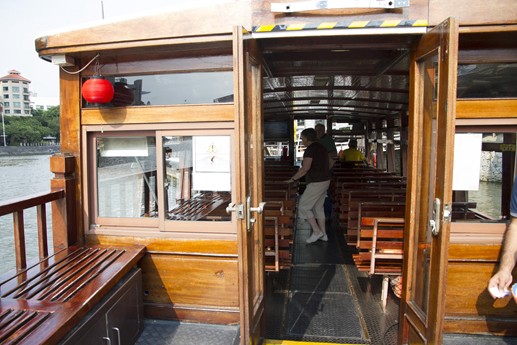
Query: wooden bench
[68, 291]
[381, 249]
[278, 233]
[46, 301]
[279, 215]
[349, 217]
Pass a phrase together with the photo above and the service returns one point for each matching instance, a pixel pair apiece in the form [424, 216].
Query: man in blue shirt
[498, 285]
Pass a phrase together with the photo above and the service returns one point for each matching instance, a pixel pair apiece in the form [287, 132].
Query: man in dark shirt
[315, 168]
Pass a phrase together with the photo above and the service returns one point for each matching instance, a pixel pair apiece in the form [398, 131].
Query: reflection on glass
[172, 89]
[126, 177]
[482, 199]
[197, 177]
[276, 150]
[487, 80]
[422, 255]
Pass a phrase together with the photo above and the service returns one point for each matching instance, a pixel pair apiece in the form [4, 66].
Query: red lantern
[98, 90]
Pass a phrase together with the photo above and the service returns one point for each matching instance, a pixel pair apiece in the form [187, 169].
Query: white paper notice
[467, 161]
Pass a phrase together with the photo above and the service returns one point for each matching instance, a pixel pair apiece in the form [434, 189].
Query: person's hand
[289, 181]
[498, 285]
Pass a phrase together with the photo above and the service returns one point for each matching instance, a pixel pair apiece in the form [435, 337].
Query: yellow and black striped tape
[356, 24]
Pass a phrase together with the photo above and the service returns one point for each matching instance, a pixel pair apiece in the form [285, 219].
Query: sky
[25, 20]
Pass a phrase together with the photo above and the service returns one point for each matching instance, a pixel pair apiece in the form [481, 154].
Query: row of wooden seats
[279, 216]
[371, 207]
[380, 248]
[354, 205]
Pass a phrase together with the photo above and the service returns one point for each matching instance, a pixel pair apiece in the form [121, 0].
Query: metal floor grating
[161, 332]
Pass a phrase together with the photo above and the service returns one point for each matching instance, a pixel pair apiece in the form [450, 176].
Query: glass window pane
[197, 177]
[172, 89]
[487, 81]
[126, 177]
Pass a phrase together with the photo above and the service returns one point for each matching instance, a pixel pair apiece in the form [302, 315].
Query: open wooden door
[248, 122]
[429, 195]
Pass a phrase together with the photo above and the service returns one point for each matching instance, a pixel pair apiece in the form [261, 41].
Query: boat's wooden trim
[161, 114]
[486, 108]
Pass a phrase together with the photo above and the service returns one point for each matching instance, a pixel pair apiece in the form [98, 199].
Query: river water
[22, 176]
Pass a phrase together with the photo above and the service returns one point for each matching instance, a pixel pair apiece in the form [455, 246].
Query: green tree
[32, 129]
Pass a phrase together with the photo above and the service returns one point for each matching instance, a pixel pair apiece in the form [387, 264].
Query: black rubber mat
[315, 253]
[319, 278]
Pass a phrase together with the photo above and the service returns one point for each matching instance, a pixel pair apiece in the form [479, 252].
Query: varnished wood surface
[158, 114]
[469, 12]
[193, 247]
[507, 327]
[187, 279]
[469, 306]
[201, 21]
[486, 108]
[188, 313]
[54, 295]
[196, 281]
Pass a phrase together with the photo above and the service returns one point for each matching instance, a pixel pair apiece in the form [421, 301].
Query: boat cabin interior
[180, 133]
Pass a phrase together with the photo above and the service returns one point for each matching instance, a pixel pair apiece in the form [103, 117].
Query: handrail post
[64, 221]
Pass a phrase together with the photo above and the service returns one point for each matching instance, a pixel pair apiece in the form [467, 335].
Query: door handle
[434, 222]
[258, 209]
[251, 220]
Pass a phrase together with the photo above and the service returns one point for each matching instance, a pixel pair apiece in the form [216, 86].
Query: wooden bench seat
[381, 249]
[278, 234]
[45, 301]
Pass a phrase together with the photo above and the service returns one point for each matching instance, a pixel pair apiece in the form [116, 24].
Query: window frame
[158, 226]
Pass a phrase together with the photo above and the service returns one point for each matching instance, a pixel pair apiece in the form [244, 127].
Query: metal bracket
[447, 213]
[336, 4]
[434, 223]
[233, 207]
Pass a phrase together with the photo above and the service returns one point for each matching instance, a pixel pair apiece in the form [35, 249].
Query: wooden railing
[63, 214]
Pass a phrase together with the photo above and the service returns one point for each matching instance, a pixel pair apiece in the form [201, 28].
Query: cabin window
[483, 172]
[197, 177]
[487, 80]
[172, 89]
[126, 177]
[173, 179]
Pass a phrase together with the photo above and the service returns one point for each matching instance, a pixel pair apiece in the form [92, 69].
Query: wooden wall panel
[187, 279]
[472, 12]
[195, 281]
[162, 114]
[469, 308]
[486, 108]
